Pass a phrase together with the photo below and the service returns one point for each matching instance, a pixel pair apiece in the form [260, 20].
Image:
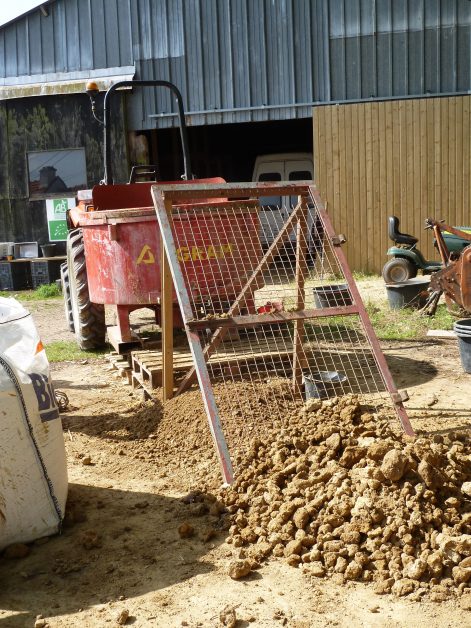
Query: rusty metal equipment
[454, 279]
[304, 347]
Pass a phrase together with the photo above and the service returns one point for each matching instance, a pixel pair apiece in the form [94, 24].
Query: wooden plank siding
[410, 158]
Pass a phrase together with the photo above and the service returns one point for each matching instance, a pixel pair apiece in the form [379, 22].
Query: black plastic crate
[15, 275]
[45, 272]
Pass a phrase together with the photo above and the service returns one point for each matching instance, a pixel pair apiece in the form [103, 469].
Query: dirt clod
[185, 530]
[239, 569]
[465, 602]
[228, 617]
[394, 465]
[344, 494]
[90, 539]
[17, 550]
[122, 617]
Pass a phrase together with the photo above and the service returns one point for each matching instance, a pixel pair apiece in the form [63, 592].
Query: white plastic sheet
[33, 472]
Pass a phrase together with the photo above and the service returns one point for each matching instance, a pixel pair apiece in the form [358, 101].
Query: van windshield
[298, 175]
[270, 202]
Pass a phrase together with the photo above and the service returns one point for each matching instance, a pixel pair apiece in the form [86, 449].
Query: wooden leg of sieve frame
[167, 316]
[299, 357]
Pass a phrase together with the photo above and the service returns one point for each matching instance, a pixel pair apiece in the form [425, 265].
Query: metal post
[204, 381]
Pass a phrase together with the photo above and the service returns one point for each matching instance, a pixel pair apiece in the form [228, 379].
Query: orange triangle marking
[39, 347]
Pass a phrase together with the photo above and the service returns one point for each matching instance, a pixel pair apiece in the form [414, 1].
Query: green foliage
[46, 291]
[360, 275]
[68, 351]
[42, 293]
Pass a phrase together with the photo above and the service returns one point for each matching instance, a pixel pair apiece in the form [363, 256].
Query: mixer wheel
[69, 316]
[88, 318]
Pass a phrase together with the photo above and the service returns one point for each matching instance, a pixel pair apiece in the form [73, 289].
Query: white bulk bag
[33, 472]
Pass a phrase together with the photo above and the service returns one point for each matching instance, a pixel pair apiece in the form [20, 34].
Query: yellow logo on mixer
[187, 253]
[146, 256]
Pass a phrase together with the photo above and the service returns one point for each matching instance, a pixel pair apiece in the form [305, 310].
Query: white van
[276, 209]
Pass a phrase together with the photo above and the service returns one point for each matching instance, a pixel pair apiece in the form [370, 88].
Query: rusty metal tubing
[108, 176]
[442, 247]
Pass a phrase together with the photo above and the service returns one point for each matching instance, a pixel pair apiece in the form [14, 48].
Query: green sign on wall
[56, 209]
[57, 230]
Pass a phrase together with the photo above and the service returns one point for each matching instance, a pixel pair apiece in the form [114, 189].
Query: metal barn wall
[234, 60]
[410, 158]
[76, 35]
[47, 123]
[246, 60]
[255, 60]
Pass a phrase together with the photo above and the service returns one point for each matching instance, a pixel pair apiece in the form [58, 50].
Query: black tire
[88, 317]
[398, 269]
[69, 317]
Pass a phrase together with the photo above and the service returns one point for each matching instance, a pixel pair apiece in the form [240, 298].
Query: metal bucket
[332, 296]
[410, 293]
[463, 326]
[462, 329]
[48, 250]
[323, 384]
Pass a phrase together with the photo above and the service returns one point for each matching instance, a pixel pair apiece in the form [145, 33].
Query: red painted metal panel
[128, 195]
[123, 257]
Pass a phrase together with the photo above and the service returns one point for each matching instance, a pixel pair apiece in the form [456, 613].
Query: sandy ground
[121, 549]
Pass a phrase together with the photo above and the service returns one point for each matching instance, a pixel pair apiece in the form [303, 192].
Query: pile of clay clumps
[343, 493]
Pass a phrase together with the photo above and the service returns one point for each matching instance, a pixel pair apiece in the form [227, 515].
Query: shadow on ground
[410, 372]
[127, 546]
[132, 423]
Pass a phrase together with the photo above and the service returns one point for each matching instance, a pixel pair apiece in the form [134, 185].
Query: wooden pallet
[121, 364]
[147, 365]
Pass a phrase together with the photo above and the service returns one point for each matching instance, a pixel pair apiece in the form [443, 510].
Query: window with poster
[56, 173]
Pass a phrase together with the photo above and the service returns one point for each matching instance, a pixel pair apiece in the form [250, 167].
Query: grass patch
[406, 324]
[68, 351]
[46, 291]
[360, 275]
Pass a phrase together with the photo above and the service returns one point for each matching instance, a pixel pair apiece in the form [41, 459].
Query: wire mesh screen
[269, 300]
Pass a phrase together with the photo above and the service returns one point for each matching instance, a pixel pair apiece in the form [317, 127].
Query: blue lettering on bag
[44, 391]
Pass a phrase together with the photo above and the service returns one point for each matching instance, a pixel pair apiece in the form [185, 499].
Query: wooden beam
[161, 210]
[299, 357]
[166, 315]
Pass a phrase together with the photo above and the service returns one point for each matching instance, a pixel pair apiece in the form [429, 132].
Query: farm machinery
[453, 280]
[114, 248]
[451, 276]
[406, 260]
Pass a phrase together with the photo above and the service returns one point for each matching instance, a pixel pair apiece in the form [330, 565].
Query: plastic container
[412, 293]
[462, 329]
[15, 275]
[332, 296]
[48, 250]
[323, 384]
[26, 250]
[7, 250]
[45, 271]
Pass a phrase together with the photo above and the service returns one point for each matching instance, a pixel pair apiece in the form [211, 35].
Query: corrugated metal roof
[250, 60]
[62, 82]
